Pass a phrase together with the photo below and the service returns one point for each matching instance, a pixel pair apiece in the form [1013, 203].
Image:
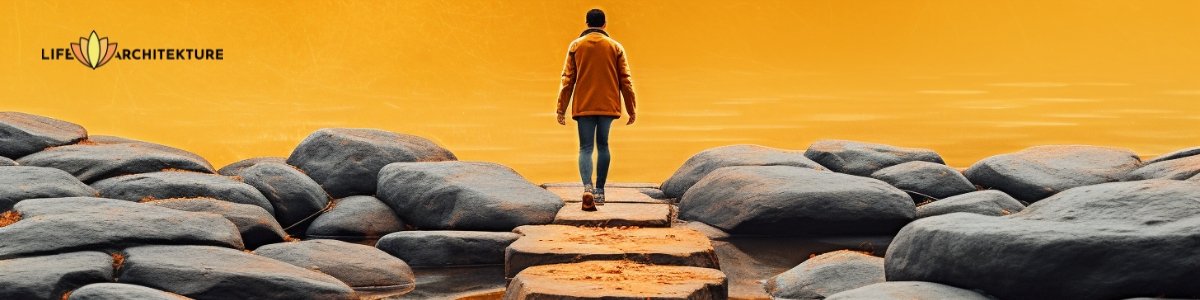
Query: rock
[205, 272]
[22, 134]
[69, 224]
[827, 274]
[783, 200]
[355, 219]
[556, 244]
[345, 161]
[366, 269]
[924, 180]
[175, 184]
[51, 276]
[120, 291]
[295, 197]
[6, 162]
[862, 159]
[20, 183]
[907, 290]
[1114, 239]
[706, 161]
[256, 225]
[1181, 153]
[987, 202]
[1038, 172]
[616, 215]
[611, 194]
[464, 196]
[439, 248]
[1175, 169]
[617, 280]
[95, 161]
[235, 168]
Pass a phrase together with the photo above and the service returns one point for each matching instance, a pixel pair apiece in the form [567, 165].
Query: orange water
[967, 78]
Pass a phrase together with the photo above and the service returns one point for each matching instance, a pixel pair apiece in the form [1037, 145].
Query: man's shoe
[589, 203]
[599, 197]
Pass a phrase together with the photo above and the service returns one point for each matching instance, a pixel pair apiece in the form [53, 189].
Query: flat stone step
[611, 195]
[632, 185]
[617, 280]
[616, 215]
[556, 244]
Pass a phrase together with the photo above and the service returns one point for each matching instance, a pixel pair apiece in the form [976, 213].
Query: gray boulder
[862, 159]
[345, 161]
[784, 200]
[236, 168]
[366, 269]
[923, 180]
[205, 272]
[908, 290]
[6, 162]
[1175, 169]
[120, 291]
[22, 134]
[355, 219]
[114, 157]
[295, 197]
[69, 224]
[464, 196]
[1038, 172]
[1181, 153]
[49, 277]
[439, 248]
[987, 202]
[176, 184]
[706, 161]
[20, 183]
[827, 274]
[1105, 241]
[256, 225]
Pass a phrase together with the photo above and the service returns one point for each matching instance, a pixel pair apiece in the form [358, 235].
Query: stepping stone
[611, 194]
[616, 215]
[632, 185]
[556, 244]
[617, 280]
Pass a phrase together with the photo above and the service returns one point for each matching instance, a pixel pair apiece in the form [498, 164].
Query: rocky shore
[371, 214]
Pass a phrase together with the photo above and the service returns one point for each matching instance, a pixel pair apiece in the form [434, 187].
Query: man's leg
[603, 124]
[587, 138]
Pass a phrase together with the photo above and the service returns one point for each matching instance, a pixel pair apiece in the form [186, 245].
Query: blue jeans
[593, 131]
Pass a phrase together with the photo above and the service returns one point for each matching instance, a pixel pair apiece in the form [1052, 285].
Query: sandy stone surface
[556, 244]
[616, 215]
[611, 194]
[617, 280]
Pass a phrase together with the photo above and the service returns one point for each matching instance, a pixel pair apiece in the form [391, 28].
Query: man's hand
[632, 118]
[562, 119]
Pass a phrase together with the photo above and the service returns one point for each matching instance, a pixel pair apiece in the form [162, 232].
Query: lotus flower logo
[93, 51]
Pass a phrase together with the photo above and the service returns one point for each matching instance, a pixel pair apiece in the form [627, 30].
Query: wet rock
[69, 224]
[22, 134]
[345, 161]
[1038, 172]
[295, 197]
[617, 280]
[120, 291]
[464, 196]
[783, 200]
[862, 159]
[20, 183]
[366, 269]
[1114, 239]
[6, 162]
[439, 248]
[706, 161]
[355, 219]
[907, 290]
[1175, 169]
[556, 244]
[1181, 153]
[175, 184]
[987, 202]
[827, 274]
[115, 157]
[256, 225]
[235, 168]
[51, 276]
[923, 180]
[205, 272]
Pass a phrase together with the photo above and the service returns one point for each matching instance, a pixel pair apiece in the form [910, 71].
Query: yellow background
[967, 78]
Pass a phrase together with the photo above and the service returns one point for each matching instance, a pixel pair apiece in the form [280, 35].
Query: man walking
[597, 74]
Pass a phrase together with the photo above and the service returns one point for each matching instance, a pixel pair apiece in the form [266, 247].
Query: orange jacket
[597, 73]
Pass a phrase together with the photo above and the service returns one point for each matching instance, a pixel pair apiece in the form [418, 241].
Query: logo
[93, 51]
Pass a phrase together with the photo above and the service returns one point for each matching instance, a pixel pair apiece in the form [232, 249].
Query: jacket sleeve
[626, 82]
[568, 81]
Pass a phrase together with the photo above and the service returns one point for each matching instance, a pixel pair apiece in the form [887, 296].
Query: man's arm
[626, 85]
[568, 84]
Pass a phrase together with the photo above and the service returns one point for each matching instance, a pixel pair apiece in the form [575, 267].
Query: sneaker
[599, 197]
[589, 203]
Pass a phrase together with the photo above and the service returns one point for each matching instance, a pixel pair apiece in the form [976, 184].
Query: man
[597, 74]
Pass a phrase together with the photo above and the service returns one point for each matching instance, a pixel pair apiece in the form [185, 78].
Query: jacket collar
[593, 29]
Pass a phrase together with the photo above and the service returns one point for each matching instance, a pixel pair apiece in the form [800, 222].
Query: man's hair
[595, 17]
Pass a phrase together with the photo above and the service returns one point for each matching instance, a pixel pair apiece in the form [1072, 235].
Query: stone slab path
[616, 215]
[612, 194]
